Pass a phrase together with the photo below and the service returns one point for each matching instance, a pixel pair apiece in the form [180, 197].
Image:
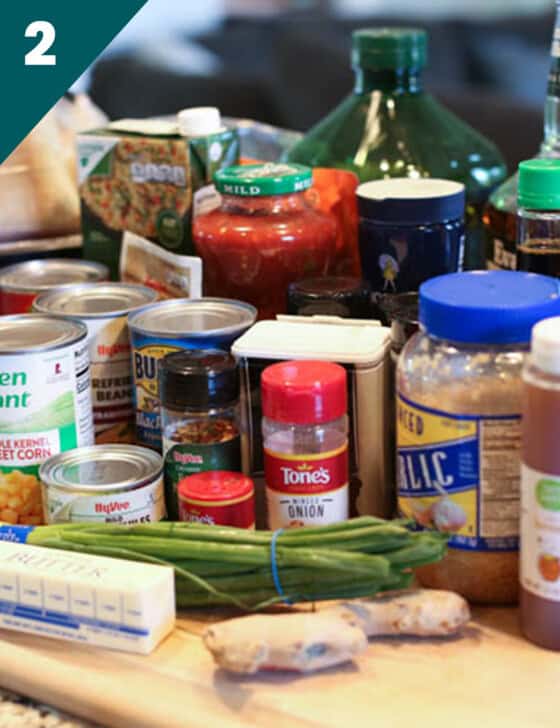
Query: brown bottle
[540, 488]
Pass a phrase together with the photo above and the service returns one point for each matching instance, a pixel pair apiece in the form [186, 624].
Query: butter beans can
[45, 405]
[104, 484]
[172, 325]
[217, 497]
[104, 308]
[21, 283]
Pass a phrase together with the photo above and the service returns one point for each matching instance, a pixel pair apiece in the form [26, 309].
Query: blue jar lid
[487, 307]
[407, 201]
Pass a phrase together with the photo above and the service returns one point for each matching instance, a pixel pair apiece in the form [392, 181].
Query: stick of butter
[96, 600]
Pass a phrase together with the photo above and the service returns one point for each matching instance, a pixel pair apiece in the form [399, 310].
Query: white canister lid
[199, 121]
[545, 345]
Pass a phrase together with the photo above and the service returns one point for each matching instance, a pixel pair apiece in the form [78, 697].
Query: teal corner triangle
[82, 32]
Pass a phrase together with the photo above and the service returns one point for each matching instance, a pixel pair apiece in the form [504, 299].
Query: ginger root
[420, 613]
[309, 641]
[300, 642]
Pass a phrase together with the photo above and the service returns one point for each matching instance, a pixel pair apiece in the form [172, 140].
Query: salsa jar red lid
[215, 487]
[304, 392]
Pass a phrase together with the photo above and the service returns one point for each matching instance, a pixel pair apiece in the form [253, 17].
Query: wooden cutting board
[488, 677]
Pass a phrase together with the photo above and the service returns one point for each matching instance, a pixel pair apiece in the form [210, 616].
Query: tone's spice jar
[458, 423]
[305, 437]
[217, 497]
[199, 392]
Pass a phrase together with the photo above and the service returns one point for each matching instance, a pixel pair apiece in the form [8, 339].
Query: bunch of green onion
[217, 565]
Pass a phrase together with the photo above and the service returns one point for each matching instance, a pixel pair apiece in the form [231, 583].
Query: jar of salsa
[265, 235]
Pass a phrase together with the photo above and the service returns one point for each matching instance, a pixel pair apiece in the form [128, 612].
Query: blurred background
[286, 62]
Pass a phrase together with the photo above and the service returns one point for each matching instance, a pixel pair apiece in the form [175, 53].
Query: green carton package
[145, 177]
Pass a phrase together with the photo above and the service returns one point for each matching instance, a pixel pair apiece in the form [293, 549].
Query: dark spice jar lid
[330, 296]
[198, 379]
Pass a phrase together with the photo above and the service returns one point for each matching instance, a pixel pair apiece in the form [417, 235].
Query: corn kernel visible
[20, 497]
[15, 503]
[26, 508]
[8, 516]
[12, 487]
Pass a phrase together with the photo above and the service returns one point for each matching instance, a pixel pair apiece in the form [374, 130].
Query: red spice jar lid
[304, 392]
[215, 486]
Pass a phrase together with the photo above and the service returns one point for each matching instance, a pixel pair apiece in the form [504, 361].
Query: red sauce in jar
[254, 245]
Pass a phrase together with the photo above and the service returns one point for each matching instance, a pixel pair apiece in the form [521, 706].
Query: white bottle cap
[199, 121]
[545, 345]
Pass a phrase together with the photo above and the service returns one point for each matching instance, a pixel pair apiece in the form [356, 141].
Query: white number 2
[38, 56]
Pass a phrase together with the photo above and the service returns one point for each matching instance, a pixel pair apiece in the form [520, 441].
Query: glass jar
[265, 235]
[199, 393]
[538, 217]
[305, 438]
[458, 424]
[410, 230]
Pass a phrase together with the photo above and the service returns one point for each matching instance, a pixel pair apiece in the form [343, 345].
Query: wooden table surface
[490, 677]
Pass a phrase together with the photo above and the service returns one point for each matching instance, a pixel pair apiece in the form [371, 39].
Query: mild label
[306, 490]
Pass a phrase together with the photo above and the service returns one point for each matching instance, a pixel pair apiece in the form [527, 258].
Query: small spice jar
[410, 230]
[264, 235]
[305, 437]
[458, 423]
[199, 393]
[342, 296]
[217, 497]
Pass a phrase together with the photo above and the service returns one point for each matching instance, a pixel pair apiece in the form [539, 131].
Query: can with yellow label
[166, 326]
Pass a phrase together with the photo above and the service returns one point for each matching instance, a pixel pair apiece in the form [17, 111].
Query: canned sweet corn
[45, 405]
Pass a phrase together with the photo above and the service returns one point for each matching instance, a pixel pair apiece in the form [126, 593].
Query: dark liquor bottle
[500, 214]
[389, 126]
[538, 218]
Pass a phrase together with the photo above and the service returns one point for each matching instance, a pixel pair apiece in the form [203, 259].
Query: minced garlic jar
[458, 423]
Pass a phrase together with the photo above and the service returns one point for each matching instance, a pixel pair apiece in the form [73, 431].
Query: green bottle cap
[539, 184]
[389, 48]
[257, 180]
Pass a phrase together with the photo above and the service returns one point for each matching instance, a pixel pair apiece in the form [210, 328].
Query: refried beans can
[45, 405]
[104, 308]
[104, 484]
[21, 283]
[217, 497]
[172, 325]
